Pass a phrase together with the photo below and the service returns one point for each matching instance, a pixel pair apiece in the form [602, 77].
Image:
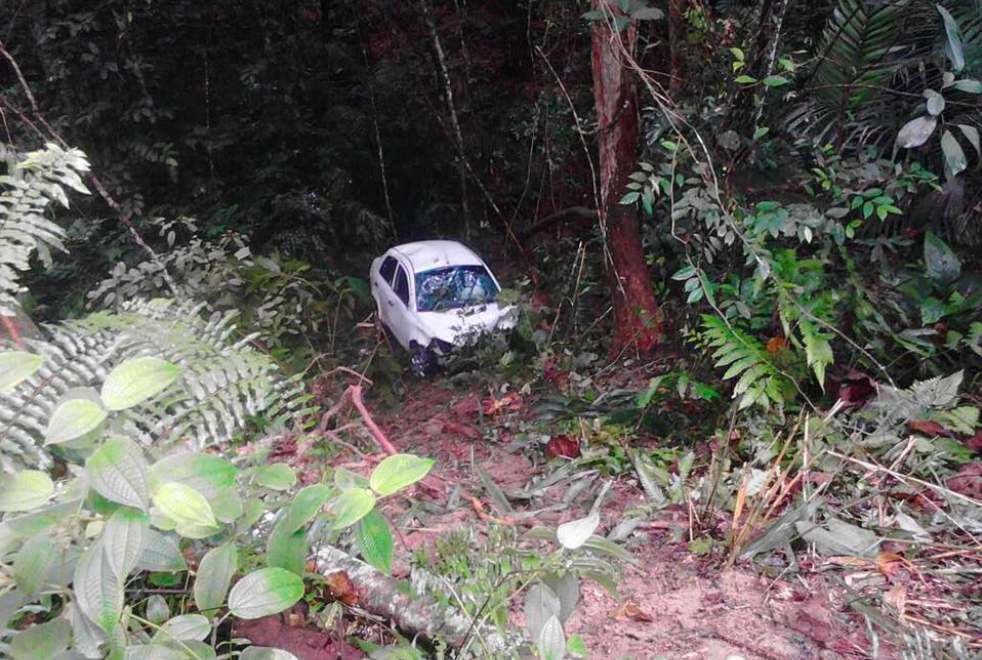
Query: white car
[433, 296]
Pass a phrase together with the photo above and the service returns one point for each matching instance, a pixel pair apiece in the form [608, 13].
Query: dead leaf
[855, 387]
[630, 610]
[928, 428]
[812, 619]
[968, 481]
[562, 445]
[483, 514]
[340, 587]
[975, 442]
[509, 402]
[894, 567]
[895, 598]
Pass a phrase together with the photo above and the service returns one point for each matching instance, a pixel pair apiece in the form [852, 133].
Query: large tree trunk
[637, 317]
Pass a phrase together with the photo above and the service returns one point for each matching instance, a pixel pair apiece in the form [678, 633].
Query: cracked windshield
[453, 288]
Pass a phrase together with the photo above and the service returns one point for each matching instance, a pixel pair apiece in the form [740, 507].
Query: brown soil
[671, 604]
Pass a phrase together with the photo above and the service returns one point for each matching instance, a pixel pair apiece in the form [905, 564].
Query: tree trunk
[638, 325]
[677, 44]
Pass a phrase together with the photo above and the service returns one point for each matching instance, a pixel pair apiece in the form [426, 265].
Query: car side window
[387, 268]
[402, 286]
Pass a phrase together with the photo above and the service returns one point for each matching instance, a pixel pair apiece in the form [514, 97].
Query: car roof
[427, 255]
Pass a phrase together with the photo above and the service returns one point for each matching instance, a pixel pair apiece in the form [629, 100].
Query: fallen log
[385, 596]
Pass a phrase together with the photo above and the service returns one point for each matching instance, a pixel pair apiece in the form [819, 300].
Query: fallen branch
[352, 395]
[383, 595]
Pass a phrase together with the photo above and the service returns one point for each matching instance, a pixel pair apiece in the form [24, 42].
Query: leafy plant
[123, 510]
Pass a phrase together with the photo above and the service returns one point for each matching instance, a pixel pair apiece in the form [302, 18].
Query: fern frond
[224, 381]
[759, 382]
[30, 186]
[861, 50]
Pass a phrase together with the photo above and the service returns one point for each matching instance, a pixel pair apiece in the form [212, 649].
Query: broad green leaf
[351, 506]
[16, 367]
[160, 553]
[32, 562]
[125, 536]
[374, 539]
[541, 604]
[573, 534]
[186, 627]
[818, 353]
[118, 471]
[940, 261]
[87, 637]
[935, 102]
[38, 521]
[41, 642]
[157, 610]
[26, 490]
[214, 577]
[954, 48]
[576, 646]
[955, 159]
[776, 81]
[136, 380]
[185, 506]
[266, 653]
[278, 476]
[153, 652]
[206, 473]
[746, 80]
[287, 547]
[73, 418]
[972, 134]
[345, 478]
[396, 472]
[306, 504]
[567, 588]
[969, 86]
[551, 641]
[264, 592]
[226, 505]
[253, 509]
[98, 589]
[917, 132]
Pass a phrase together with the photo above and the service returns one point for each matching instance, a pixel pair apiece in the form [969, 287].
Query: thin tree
[639, 327]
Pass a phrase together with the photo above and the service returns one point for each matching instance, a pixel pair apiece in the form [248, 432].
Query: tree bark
[386, 596]
[677, 44]
[638, 325]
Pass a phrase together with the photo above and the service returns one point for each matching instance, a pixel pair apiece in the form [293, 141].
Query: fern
[860, 56]
[760, 382]
[32, 183]
[224, 382]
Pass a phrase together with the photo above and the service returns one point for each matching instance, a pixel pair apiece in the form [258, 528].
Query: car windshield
[454, 287]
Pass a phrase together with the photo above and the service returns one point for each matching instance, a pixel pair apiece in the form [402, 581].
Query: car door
[384, 295]
[401, 310]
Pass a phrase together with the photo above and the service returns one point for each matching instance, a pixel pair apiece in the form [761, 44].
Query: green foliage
[32, 183]
[223, 382]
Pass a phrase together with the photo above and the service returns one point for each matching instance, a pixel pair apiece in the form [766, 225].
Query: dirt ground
[672, 604]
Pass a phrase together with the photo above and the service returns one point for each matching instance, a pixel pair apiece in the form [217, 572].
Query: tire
[421, 361]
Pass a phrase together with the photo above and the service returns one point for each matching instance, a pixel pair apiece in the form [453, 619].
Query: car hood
[460, 326]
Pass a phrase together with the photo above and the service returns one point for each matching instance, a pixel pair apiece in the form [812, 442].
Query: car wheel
[420, 361]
